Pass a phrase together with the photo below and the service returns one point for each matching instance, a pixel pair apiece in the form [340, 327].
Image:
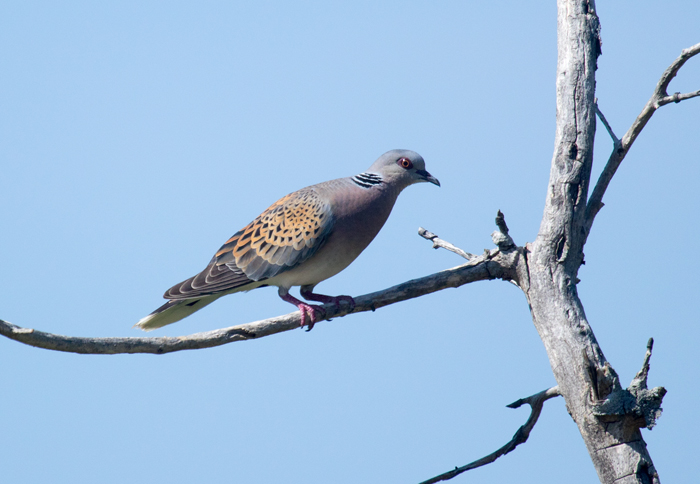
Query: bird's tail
[173, 311]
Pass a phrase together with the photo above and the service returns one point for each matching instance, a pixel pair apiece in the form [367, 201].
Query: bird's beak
[428, 177]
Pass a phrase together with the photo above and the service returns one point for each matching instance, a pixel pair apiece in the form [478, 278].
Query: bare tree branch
[501, 237]
[636, 406]
[439, 243]
[495, 265]
[677, 97]
[659, 98]
[640, 379]
[535, 401]
[616, 140]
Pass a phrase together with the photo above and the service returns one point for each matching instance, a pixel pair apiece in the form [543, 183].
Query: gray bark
[584, 377]
[492, 265]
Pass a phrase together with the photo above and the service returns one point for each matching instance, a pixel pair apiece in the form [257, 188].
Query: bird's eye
[404, 163]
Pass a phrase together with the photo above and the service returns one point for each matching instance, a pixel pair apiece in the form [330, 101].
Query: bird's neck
[367, 180]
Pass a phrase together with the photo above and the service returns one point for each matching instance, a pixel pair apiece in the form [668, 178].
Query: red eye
[405, 163]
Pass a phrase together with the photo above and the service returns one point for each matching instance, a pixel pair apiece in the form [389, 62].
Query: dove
[302, 239]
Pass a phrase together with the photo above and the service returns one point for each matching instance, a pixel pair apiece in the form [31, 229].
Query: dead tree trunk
[583, 375]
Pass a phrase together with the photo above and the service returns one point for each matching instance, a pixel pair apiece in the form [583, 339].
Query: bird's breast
[358, 218]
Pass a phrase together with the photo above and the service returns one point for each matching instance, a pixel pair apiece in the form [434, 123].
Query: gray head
[403, 168]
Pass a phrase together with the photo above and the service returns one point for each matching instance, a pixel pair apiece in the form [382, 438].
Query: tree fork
[618, 453]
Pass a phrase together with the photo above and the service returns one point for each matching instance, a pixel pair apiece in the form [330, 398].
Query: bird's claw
[316, 313]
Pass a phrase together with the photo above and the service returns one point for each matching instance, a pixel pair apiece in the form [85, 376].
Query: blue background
[136, 137]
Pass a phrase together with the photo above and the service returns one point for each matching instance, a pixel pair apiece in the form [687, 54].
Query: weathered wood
[536, 403]
[583, 375]
[621, 147]
[494, 265]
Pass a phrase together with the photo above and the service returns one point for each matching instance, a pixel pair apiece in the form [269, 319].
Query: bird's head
[402, 168]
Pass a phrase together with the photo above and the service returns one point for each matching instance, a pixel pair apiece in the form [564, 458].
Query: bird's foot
[311, 296]
[316, 313]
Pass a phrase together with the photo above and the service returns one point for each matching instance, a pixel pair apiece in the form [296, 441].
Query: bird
[302, 239]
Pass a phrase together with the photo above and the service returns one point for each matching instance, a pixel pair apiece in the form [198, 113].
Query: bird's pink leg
[306, 293]
[316, 313]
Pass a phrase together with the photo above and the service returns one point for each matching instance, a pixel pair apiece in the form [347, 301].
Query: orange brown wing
[282, 237]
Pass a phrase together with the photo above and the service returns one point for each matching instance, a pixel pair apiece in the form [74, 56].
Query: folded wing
[286, 234]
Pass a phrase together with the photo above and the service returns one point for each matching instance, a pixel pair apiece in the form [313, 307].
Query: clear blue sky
[136, 137]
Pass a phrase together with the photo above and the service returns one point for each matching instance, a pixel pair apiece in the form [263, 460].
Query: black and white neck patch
[367, 180]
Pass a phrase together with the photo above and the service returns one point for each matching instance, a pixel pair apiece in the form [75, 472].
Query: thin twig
[535, 401]
[439, 243]
[501, 223]
[501, 237]
[498, 266]
[640, 379]
[616, 140]
[659, 98]
[677, 97]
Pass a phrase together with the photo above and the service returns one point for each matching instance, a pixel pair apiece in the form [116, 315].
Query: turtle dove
[301, 240]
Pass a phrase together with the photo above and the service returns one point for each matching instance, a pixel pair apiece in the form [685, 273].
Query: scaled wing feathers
[283, 236]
